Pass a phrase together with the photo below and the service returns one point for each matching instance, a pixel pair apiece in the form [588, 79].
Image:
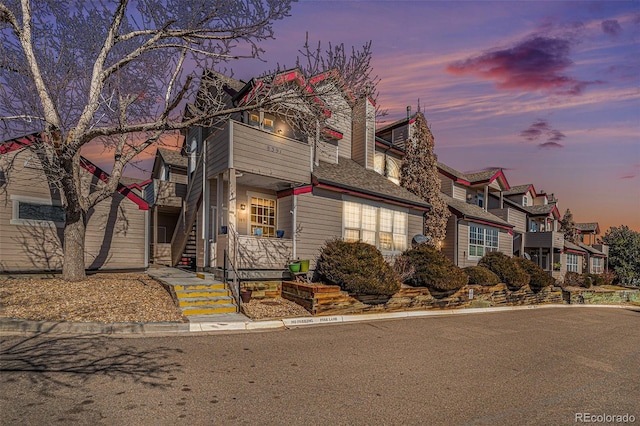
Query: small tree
[419, 175]
[624, 253]
[568, 227]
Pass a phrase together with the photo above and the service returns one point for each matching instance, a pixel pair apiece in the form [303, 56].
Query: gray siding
[449, 244]
[266, 154]
[327, 152]
[446, 185]
[358, 141]
[416, 225]
[319, 218]
[218, 152]
[285, 217]
[513, 217]
[115, 233]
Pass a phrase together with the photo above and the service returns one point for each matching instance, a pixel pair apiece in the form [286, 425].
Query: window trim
[271, 197]
[571, 265]
[597, 269]
[485, 247]
[15, 211]
[378, 208]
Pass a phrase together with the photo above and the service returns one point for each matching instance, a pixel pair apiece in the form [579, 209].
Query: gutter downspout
[146, 239]
[294, 212]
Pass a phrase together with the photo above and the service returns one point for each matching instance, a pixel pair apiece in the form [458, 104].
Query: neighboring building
[32, 219]
[261, 194]
[588, 232]
[165, 194]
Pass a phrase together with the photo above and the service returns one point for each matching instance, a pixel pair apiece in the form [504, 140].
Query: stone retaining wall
[577, 296]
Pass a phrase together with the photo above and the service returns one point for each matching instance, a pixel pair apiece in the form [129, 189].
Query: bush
[506, 269]
[573, 279]
[539, 278]
[433, 270]
[358, 268]
[608, 277]
[481, 276]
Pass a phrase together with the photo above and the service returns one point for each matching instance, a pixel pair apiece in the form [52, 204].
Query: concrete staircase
[204, 296]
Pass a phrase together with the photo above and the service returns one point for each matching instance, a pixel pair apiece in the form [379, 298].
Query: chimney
[408, 112]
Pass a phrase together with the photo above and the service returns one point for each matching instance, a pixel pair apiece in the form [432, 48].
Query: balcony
[550, 239]
[259, 152]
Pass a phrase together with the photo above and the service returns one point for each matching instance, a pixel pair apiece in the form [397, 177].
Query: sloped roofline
[21, 142]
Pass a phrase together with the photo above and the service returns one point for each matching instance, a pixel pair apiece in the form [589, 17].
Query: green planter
[295, 267]
[304, 265]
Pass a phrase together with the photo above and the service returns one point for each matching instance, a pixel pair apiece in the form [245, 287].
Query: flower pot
[304, 265]
[245, 295]
[257, 232]
[280, 233]
[294, 267]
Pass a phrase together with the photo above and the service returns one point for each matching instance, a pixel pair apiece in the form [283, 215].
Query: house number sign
[275, 149]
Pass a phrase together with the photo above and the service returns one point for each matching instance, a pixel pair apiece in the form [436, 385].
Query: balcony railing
[550, 239]
[258, 252]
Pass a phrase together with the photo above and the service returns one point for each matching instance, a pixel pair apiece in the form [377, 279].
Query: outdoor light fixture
[243, 207]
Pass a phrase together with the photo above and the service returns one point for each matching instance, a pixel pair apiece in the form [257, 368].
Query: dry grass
[104, 298]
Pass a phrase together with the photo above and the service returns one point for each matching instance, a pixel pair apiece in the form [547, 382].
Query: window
[262, 120]
[482, 240]
[572, 262]
[525, 201]
[36, 212]
[263, 216]
[480, 198]
[383, 228]
[597, 265]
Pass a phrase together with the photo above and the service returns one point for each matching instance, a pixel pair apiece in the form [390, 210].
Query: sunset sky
[549, 91]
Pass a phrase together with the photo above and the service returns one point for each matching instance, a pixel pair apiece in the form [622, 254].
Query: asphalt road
[538, 366]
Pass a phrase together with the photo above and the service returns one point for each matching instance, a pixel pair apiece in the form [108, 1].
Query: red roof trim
[581, 253]
[295, 191]
[140, 185]
[486, 222]
[369, 196]
[333, 134]
[25, 141]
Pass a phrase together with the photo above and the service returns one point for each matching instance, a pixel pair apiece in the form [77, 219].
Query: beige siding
[463, 245]
[363, 139]
[459, 192]
[505, 242]
[218, 152]
[285, 217]
[340, 120]
[416, 225]
[319, 218]
[115, 233]
[449, 243]
[327, 152]
[266, 154]
[446, 185]
[513, 217]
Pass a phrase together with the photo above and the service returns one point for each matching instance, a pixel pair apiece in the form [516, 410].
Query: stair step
[202, 293]
[205, 301]
[209, 309]
[189, 286]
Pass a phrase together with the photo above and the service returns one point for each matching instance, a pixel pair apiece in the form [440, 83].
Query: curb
[18, 326]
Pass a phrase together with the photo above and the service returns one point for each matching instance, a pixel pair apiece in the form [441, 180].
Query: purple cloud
[611, 27]
[537, 63]
[541, 128]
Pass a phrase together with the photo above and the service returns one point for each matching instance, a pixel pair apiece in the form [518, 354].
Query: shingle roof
[589, 226]
[569, 245]
[518, 189]
[541, 209]
[482, 175]
[173, 158]
[472, 211]
[452, 172]
[591, 250]
[348, 174]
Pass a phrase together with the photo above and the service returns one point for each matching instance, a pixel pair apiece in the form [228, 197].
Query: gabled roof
[588, 227]
[19, 143]
[474, 178]
[569, 246]
[542, 210]
[350, 177]
[593, 251]
[474, 213]
[173, 158]
[520, 189]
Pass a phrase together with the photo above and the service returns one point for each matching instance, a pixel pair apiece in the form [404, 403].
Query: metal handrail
[235, 287]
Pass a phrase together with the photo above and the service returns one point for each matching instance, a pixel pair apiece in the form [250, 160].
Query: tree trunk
[73, 249]
[75, 224]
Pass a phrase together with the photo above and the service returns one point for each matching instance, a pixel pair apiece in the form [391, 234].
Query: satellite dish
[526, 256]
[420, 239]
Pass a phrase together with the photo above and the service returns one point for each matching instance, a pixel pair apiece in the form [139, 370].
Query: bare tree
[419, 175]
[115, 73]
[568, 227]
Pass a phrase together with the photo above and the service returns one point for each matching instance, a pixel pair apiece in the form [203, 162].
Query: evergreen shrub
[358, 268]
[481, 276]
[506, 269]
[539, 278]
[433, 270]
